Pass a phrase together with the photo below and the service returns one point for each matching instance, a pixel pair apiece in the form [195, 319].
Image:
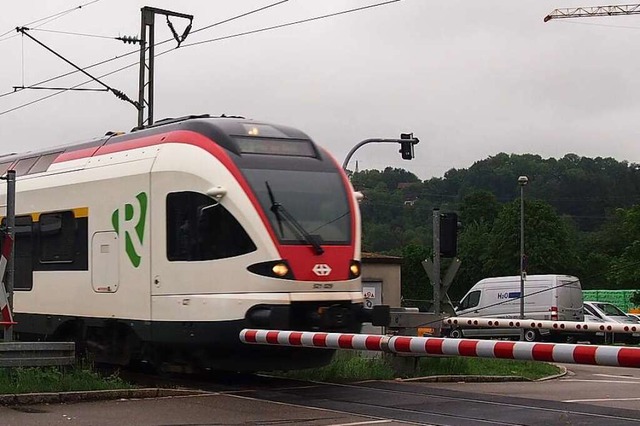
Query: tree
[415, 283]
[473, 252]
[624, 272]
[548, 246]
[391, 177]
[479, 207]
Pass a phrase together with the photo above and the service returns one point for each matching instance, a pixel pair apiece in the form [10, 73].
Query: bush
[56, 379]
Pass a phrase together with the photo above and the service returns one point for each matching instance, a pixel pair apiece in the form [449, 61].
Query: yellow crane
[583, 12]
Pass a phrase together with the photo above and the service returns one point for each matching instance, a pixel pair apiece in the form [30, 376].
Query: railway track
[395, 402]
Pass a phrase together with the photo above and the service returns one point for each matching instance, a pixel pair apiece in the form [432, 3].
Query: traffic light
[406, 146]
[448, 234]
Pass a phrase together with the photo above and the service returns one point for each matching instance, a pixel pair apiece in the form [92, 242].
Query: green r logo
[131, 222]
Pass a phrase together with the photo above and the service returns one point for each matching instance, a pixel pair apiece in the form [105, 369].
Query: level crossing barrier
[573, 326]
[7, 316]
[27, 354]
[435, 346]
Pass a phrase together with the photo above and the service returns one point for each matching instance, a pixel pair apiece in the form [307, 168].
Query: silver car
[609, 312]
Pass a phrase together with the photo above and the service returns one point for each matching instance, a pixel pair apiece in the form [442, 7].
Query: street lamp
[522, 181]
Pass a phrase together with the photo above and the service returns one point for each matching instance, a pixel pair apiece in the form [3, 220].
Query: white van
[546, 297]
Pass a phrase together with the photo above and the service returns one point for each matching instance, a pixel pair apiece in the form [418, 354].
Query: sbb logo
[321, 269]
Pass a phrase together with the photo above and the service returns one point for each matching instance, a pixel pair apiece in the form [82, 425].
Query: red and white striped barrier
[551, 352]
[7, 317]
[364, 342]
[551, 325]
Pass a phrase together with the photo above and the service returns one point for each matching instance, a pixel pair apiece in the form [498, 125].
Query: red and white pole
[551, 352]
[7, 316]
[364, 342]
[423, 346]
[551, 325]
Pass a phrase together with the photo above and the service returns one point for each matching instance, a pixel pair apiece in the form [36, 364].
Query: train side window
[4, 167]
[44, 162]
[199, 228]
[57, 237]
[22, 166]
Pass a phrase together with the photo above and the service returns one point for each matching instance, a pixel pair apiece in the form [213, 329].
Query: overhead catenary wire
[74, 33]
[259, 30]
[164, 41]
[47, 19]
[137, 51]
[288, 24]
[116, 92]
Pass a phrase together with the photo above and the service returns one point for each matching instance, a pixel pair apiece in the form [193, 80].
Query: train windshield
[315, 201]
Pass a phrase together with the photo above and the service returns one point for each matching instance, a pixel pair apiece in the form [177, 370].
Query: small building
[380, 283]
[381, 279]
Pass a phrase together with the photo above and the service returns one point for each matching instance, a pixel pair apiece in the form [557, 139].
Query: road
[612, 387]
[589, 395]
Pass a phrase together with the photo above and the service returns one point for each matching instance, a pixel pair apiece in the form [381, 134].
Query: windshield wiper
[280, 212]
[275, 208]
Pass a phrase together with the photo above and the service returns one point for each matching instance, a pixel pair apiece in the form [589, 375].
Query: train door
[166, 275]
[105, 265]
[198, 244]
[178, 255]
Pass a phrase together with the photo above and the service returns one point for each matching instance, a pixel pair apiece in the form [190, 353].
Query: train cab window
[57, 237]
[22, 166]
[199, 228]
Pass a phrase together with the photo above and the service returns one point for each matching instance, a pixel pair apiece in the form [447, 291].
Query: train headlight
[280, 269]
[273, 269]
[355, 269]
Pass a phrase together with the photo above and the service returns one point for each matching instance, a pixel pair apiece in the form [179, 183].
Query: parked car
[608, 312]
[547, 297]
[596, 337]
[637, 316]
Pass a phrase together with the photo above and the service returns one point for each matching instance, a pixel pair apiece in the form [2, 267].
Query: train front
[309, 210]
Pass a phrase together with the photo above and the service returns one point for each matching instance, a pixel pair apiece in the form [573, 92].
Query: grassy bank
[352, 366]
[55, 379]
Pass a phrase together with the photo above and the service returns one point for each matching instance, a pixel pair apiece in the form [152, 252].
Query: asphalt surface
[193, 411]
[588, 395]
[612, 387]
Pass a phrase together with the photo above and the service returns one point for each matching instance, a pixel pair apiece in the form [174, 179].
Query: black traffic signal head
[448, 234]
[406, 149]
[406, 146]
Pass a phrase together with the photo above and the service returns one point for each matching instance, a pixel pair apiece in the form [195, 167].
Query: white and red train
[163, 243]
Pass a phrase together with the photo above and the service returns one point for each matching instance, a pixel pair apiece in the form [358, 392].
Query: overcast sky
[469, 78]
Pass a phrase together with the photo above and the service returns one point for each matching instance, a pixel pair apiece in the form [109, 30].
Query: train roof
[218, 128]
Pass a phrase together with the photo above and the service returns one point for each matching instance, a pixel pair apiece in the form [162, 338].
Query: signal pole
[406, 141]
[437, 284]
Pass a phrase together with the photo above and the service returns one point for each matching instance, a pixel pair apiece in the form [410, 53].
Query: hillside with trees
[582, 217]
